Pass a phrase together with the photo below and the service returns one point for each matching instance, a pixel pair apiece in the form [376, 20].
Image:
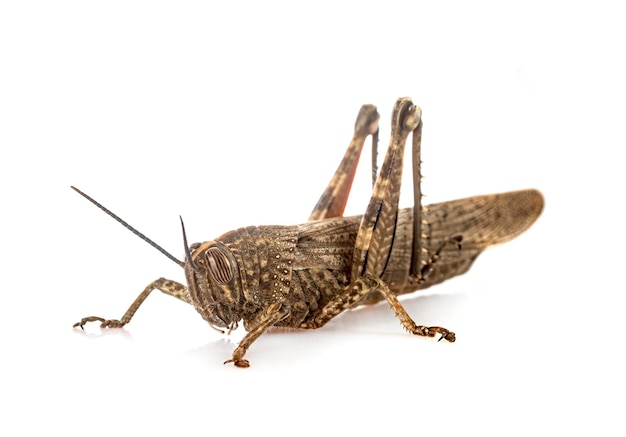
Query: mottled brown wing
[481, 221]
[327, 244]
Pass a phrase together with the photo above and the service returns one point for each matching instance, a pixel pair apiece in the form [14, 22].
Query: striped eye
[219, 265]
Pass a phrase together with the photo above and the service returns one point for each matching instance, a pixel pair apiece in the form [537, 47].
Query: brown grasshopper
[302, 276]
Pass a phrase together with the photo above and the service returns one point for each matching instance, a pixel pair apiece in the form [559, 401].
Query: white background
[238, 115]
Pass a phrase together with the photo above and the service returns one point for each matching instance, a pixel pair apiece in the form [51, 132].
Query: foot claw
[239, 363]
[104, 323]
[445, 334]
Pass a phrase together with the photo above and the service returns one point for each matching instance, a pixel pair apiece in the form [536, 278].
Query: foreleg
[268, 318]
[164, 285]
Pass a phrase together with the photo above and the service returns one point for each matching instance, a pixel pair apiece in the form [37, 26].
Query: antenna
[187, 251]
[130, 228]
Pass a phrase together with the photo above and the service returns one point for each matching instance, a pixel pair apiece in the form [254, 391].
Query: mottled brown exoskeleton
[304, 275]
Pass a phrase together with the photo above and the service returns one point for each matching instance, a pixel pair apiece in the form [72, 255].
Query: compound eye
[219, 264]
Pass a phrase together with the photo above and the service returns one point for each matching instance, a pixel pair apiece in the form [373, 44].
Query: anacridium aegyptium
[304, 275]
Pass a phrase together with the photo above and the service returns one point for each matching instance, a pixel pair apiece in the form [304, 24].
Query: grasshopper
[303, 276]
